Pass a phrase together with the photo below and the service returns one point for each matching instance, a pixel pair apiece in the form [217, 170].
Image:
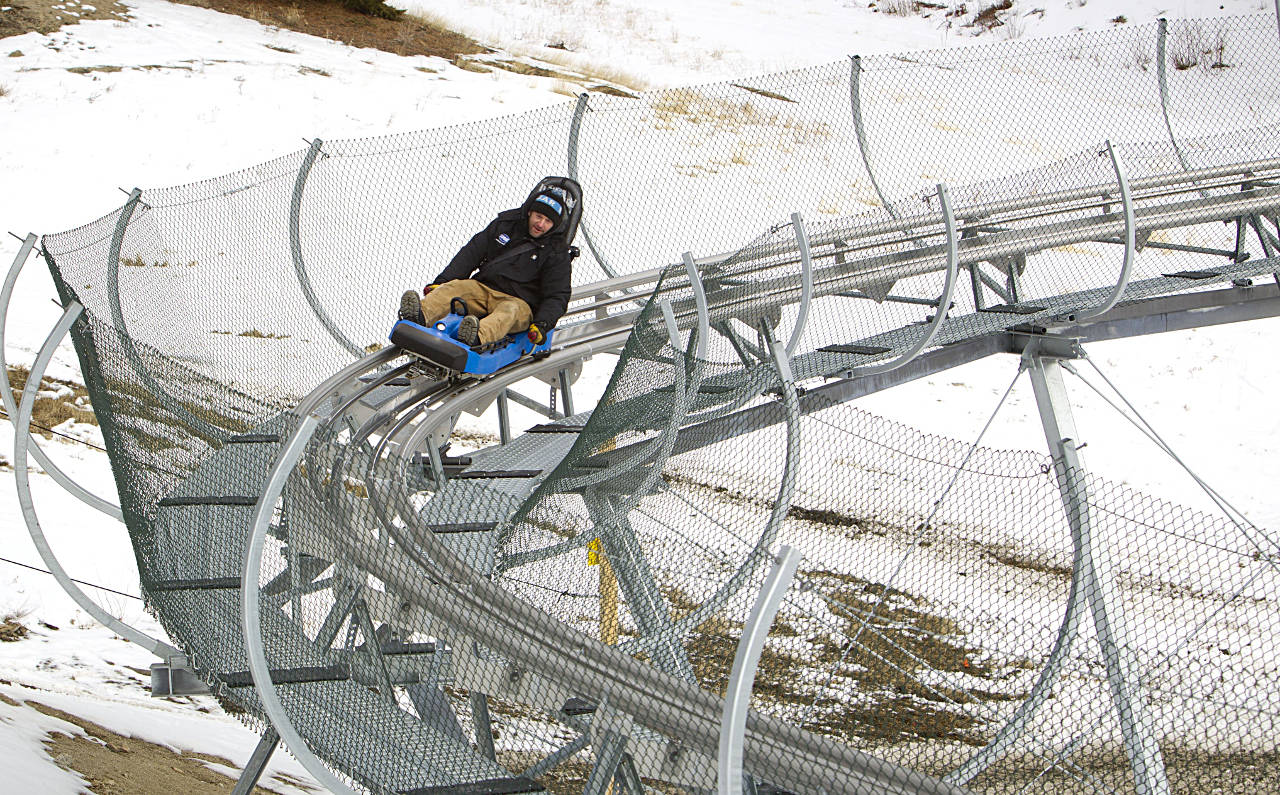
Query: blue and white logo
[503, 239]
[552, 203]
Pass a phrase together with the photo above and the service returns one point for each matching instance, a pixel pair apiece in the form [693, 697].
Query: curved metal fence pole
[1122, 666]
[781, 505]
[733, 725]
[575, 129]
[737, 703]
[1130, 240]
[700, 302]
[295, 251]
[806, 282]
[249, 604]
[944, 302]
[1042, 691]
[25, 407]
[117, 318]
[860, 130]
[10, 405]
[1162, 37]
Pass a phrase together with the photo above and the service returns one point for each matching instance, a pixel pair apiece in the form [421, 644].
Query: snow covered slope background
[178, 93]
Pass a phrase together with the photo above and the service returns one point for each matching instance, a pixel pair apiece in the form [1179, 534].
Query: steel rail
[491, 608]
[559, 357]
[568, 352]
[499, 614]
[841, 277]
[539, 643]
[1105, 195]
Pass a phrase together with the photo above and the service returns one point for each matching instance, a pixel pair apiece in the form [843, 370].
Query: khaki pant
[500, 314]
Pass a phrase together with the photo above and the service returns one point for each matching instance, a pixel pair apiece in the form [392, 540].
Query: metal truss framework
[991, 241]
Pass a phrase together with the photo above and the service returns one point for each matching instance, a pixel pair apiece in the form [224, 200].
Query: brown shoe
[411, 307]
[469, 331]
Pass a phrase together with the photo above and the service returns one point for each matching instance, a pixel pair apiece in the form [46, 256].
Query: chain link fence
[563, 613]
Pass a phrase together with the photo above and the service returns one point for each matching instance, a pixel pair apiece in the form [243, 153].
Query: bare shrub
[900, 8]
[4, 90]
[1142, 56]
[1187, 47]
[988, 16]
[1219, 51]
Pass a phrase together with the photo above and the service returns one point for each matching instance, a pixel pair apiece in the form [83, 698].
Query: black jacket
[504, 258]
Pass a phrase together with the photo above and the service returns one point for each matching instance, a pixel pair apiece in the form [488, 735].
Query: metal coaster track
[363, 427]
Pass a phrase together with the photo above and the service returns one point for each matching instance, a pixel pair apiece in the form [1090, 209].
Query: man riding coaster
[513, 276]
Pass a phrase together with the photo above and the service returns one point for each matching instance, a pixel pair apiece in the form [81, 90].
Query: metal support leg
[1123, 673]
[975, 281]
[635, 576]
[627, 777]
[565, 393]
[558, 757]
[257, 762]
[1241, 230]
[1269, 243]
[975, 272]
[608, 757]
[1014, 280]
[483, 726]
[373, 648]
[435, 709]
[504, 418]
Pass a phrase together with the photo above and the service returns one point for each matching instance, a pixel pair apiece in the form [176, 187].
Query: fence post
[1123, 674]
[295, 251]
[733, 724]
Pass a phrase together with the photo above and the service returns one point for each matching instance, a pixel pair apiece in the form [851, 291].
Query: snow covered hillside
[178, 93]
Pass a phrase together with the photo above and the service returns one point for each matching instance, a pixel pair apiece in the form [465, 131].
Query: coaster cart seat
[438, 343]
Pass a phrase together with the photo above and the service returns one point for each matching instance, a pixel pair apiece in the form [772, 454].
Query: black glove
[535, 335]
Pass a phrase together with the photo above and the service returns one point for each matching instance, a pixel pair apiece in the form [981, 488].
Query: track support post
[1123, 673]
[257, 762]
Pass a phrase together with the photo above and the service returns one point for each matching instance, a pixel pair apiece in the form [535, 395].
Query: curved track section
[559, 611]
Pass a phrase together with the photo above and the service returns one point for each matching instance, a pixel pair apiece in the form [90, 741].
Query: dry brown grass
[46, 16]
[903, 641]
[117, 765]
[50, 412]
[408, 35]
[11, 630]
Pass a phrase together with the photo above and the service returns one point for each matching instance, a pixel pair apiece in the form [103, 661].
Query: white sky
[221, 94]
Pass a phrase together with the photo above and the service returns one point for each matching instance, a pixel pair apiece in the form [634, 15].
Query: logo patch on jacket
[504, 239]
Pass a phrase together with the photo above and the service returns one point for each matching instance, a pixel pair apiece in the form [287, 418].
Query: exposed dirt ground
[404, 36]
[46, 16]
[117, 765]
[407, 35]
